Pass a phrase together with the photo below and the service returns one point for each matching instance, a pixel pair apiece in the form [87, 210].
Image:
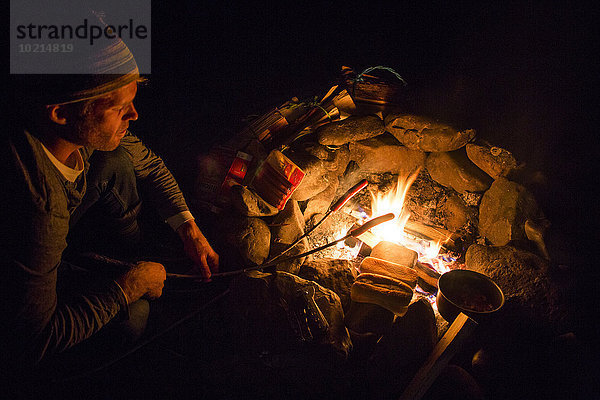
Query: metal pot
[470, 292]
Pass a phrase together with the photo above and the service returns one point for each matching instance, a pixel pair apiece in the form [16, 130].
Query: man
[43, 183]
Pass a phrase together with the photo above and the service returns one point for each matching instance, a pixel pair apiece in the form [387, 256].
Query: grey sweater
[35, 206]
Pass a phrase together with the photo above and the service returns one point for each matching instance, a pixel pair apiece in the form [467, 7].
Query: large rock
[503, 211]
[455, 170]
[319, 204]
[318, 150]
[250, 204]
[335, 274]
[268, 313]
[457, 214]
[251, 238]
[351, 129]
[420, 133]
[288, 226]
[494, 161]
[319, 174]
[384, 154]
[534, 302]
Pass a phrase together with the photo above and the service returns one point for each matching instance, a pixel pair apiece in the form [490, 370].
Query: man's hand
[198, 249]
[146, 279]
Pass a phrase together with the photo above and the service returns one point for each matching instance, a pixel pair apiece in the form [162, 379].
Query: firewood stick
[447, 347]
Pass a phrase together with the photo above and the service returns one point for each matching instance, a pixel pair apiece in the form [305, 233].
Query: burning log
[427, 277]
[434, 233]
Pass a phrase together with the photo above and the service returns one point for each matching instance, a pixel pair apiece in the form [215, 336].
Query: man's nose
[131, 113]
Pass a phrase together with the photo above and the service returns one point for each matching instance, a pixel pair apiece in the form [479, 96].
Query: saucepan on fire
[469, 292]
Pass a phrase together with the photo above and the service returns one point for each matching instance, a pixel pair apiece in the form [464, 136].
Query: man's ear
[58, 113]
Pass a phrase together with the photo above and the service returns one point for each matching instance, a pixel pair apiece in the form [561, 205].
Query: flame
[393, 231]
[393, 202]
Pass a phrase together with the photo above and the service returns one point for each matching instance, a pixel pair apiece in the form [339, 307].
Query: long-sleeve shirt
[35, 206]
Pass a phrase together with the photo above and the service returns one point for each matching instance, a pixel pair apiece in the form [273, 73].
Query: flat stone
[533, 300]
[421, 133]
[248, 203]
[455, 170]
[335, 274]
[495, 161]
[503, 211]
[250, 236]
[385, 154]
[395, 253]
[351, 129]
[286, 227]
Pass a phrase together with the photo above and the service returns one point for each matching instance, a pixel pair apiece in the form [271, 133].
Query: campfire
[457, 201]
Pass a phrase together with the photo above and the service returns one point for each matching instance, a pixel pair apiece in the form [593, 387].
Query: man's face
[104, 121]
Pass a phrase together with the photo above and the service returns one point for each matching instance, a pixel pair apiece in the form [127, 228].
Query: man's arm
[165, 193]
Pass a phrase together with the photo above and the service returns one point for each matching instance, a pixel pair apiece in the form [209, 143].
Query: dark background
[520, 74]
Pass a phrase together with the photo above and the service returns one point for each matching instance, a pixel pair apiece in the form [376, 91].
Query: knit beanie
[105, 66]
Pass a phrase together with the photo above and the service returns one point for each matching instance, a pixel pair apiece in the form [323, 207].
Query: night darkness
[519, 74]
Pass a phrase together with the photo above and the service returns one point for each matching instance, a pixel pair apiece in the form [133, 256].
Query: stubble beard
[87, 133]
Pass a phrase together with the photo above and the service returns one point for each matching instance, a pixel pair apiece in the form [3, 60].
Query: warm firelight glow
[393, 231]
[392, 202]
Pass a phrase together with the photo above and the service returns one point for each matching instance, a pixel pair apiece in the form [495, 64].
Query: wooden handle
[447, 347]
